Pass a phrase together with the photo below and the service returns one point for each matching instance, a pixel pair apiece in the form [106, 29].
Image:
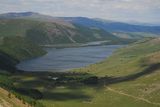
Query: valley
[138, 86]
[105, 63]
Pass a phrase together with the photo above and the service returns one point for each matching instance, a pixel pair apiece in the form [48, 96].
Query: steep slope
[128, 60]
[112, 26]
[15, 49]
[21, 33]
[136, 69]
[51, 33]
[130, 78]
[9, 100]
[20, 48]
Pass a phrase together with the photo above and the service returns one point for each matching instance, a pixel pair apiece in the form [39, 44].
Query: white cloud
[139, 10]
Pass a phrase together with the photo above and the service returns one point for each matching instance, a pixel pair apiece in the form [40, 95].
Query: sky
[146, 11]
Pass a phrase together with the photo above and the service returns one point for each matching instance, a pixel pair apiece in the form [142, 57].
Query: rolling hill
[22, 33]
[34, 16]
[131, 74]
[112, 26]
[51, 30]
[135, 70]
[129, 78]
[51, 33]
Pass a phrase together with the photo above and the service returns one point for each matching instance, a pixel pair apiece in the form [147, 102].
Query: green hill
[14, 49]
[137, 69]
[51, 33]
[130, 59]
[129, 78]
[19, 38]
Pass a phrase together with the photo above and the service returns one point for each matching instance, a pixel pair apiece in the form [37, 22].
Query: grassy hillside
[130, 59]
[20, 48]
[134, 35]
[51, 33]
[14, 46]
[19, 38]
[9, 100]
[14, 49]
[139, 63]
[129, 78]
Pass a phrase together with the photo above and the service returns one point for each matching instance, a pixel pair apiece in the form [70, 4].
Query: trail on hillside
[137, 98]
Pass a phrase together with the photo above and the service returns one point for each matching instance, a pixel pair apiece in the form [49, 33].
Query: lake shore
[95, 43]
[65, 59]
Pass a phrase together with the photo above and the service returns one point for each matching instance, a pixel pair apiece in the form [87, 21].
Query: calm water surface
[68, 58]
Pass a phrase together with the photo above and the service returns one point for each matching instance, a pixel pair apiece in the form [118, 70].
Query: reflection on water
[67, 58]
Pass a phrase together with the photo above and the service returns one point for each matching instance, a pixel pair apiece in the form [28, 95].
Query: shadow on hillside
[72, 83]
[7, 62]
[113, 80]
[64, 96]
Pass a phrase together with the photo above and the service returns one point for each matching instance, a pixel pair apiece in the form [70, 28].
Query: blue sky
[121, 10]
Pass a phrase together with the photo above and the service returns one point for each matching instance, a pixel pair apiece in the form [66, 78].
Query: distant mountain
[112, 26]
[15, 15]
[131, 22]
[44, 29]
[34, 16]
[143, 24]
[43, 33]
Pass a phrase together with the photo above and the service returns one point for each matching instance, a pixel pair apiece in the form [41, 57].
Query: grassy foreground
[130, 77]
[139, 62]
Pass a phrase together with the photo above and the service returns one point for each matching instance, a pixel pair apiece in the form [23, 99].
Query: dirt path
[128, 95]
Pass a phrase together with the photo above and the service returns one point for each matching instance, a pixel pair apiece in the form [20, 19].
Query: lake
[57, 60]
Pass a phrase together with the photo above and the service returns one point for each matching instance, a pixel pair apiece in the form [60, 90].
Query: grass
[142, 91]
[130, 59]
[19, 48]
[42, 33]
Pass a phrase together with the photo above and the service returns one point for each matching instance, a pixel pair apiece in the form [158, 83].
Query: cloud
[123, 10]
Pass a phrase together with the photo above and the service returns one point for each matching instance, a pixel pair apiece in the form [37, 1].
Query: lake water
[68, 58]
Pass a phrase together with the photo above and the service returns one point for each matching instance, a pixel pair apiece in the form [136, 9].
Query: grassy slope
[130, 59]
[95, 34]
[19, 48]
[5, 101]
[14, 49]
[13, 44]
[141, 92]
[51, 33]
[19, 38]
[134, 35]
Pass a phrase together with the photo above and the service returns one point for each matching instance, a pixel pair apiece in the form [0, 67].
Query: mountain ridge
[41, 17]
[112, 26]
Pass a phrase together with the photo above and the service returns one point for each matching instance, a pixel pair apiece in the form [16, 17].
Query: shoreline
[94, 43]
[57, 69]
